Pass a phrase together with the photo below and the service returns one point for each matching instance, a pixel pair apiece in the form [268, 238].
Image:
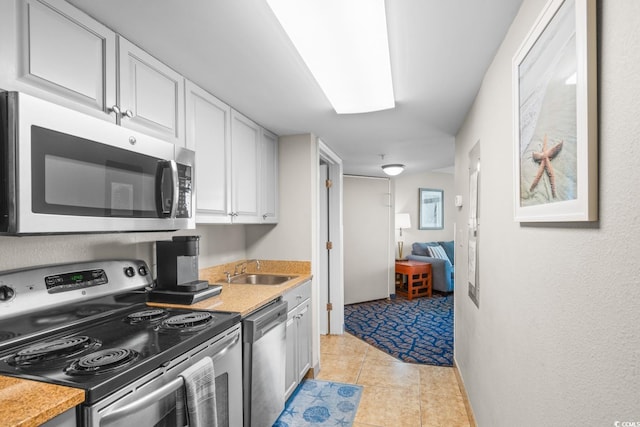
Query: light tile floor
[394, 393]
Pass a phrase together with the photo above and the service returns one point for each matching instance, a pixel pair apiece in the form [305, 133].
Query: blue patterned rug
[418, 331]
[321, 403]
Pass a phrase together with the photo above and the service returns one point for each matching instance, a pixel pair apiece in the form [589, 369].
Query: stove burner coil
[43, 353]
[102, 361]
[147, 315]
[188, 321]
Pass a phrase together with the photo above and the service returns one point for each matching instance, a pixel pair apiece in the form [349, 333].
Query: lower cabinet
[65, 419]
[298, 358]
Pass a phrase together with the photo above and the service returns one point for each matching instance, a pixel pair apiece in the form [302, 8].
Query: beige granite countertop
[27, 403]
[247, 298]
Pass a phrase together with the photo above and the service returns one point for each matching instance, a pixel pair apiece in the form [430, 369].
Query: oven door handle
[167, 389]
[130, 409]
[226, 344]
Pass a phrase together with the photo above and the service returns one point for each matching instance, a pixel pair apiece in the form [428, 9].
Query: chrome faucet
[250, 261]
[243, 268]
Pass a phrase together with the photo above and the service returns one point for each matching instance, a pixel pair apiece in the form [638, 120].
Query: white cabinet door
[245, 169]
[62, 55]
[304, 339]
[209, 135]
[298, 357]
[269, 178]
[291, 368]
[151, 94]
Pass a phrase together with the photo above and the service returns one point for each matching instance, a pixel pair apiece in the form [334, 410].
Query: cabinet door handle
[126, 113]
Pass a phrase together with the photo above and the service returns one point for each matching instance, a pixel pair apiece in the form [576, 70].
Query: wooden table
[419, 281]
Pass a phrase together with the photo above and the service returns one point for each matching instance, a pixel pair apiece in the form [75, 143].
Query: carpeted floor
[321, 403]
[418, 331]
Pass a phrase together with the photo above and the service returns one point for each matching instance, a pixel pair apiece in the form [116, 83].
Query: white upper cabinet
[236, 162]
[268, 185]
[53, 51]
[208, 133]
[245, 169]
[63, 55]
[151, 94]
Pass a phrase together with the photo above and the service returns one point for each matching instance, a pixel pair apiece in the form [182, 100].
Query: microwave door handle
[163, 165]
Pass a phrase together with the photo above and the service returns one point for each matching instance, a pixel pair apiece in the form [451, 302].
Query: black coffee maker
[177, 272]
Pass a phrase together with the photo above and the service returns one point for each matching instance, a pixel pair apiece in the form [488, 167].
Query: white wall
[406, 200]
[218, 244]
[555, 341]
[291, 238]
[295, 236]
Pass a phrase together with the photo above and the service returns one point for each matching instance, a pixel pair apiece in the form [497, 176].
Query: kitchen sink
[260, 279]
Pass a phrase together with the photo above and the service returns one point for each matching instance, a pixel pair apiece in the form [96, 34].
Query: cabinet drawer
[298, 294]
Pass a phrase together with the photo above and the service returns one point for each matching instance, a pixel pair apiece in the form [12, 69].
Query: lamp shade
[393, 169]
[403, 221]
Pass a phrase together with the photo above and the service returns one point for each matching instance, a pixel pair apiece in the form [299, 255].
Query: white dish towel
[200, 394]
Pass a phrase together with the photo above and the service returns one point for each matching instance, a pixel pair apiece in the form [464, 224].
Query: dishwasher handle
[256, 325]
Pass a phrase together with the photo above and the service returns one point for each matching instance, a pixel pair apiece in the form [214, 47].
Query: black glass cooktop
[103, 352]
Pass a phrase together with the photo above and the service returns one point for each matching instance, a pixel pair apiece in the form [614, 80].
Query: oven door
[77, 173]
[151, 400]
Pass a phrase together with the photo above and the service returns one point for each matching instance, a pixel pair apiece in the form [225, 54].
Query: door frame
[335, 275]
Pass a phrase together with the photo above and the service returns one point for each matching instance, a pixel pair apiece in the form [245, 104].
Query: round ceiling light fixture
[393, 169]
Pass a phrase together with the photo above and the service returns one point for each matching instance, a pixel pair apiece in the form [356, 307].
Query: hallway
[395, 393]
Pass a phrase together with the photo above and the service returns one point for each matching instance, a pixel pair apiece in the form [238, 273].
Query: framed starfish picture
[555, 116]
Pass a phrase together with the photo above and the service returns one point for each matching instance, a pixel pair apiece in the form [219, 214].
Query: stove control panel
[75, 280]
[38, 288]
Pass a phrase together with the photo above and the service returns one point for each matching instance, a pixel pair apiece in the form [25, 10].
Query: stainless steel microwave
[66, 172]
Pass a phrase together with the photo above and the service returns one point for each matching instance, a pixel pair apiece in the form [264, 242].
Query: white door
[367, 222]
[323, 226]
[330, 273]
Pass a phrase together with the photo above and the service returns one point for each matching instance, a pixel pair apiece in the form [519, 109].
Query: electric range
[86, 325]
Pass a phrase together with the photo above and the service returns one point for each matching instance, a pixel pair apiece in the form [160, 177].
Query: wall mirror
[431, 206]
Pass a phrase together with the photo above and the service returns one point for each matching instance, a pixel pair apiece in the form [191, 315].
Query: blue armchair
[441, 257]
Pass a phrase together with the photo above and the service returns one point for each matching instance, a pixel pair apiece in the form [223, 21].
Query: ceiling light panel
[345, 46]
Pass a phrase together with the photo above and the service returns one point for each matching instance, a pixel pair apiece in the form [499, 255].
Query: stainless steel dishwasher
[263, 354]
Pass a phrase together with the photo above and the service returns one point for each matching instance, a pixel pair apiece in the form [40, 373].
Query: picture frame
[555, 116]
[431, 207]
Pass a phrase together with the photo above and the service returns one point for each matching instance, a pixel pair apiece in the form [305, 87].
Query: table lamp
[403, 220]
